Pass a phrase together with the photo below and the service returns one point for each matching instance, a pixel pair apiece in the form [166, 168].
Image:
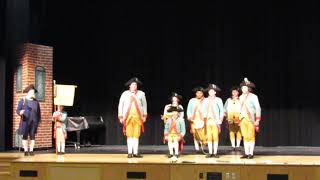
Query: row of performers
[205, 115]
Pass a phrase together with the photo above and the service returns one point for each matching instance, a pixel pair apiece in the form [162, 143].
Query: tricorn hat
[234, 88]
[174, 94]
[212, 86]
[247, 83]
[174, 108]
[132, 80]
[30, 87]
[198, 88]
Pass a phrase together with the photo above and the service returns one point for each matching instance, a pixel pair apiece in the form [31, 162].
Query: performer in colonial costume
[175, 102]
[29, 110]
[132, 113]
[196, 115]
[174, 131]
[214, 117]
[232, 112]
[60, 129]
[250, 116]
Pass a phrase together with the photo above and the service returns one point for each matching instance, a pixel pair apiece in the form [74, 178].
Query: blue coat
[250, 107]
[180, 126]
[23, 105]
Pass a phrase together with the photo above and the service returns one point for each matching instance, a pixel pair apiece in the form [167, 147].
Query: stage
[91, 163]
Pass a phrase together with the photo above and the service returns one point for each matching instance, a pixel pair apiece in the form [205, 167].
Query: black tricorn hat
[247, 83]
[174, 108]
[174, 94]
[212, 86]
[199, 88]
[234, 88]
[132, 80]
[30, 87]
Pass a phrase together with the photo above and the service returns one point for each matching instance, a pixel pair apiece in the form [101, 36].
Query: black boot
[244, 156]
[137, 156]
[215, 156]
[130, 156]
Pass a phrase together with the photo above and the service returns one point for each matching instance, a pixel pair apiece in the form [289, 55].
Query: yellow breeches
[212, 133]
[233, 134]
[247, 130]
[133, 127]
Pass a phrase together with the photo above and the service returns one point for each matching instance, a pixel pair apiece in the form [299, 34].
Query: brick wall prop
[32, 56]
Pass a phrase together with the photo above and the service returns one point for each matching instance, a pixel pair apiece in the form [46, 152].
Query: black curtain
[2, 104]
[2, 76]
[175, 47]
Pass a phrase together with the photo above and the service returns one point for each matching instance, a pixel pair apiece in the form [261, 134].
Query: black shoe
[62, 153]
[177, 155]
[137, 156]
[215, 156]
[26, 153]
[170, 156]
[31, 153]
[250, 156]
[209, 155]
[130, 156]
[234, 149]
[244, 156]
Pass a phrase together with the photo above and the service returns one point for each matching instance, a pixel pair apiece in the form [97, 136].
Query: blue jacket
[216, 106]
[26, 117]
[180, 126]
[250, 107]
[193, 104]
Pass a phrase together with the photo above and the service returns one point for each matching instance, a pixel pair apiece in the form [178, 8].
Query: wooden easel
[55, 131]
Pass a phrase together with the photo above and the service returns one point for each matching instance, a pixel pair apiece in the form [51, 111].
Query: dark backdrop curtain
[175, 47]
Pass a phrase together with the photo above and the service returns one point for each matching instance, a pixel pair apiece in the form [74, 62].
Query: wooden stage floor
[161, 159]
[47, 165]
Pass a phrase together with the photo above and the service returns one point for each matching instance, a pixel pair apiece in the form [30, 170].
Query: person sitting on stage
[60, 129]
[232, 112]
[214, 117]
[175, 102]
[29, 110]
[196, 116]
[174, 131]
[250, 116]
[132, 113]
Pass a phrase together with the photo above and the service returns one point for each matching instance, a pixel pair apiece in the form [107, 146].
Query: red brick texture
[30, 56]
